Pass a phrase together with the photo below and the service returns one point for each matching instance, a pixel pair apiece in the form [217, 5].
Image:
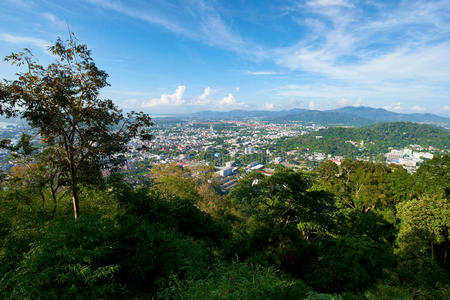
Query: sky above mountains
[184, 56]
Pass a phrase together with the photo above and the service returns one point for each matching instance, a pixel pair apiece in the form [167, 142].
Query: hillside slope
[377, 139]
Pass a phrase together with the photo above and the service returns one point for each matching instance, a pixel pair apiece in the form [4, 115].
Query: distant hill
[377, 139]
[243, 114]
[381, 115]
[314, 116]
[350, 116]
[324, 118]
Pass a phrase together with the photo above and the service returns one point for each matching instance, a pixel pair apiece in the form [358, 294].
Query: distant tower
[211, 127]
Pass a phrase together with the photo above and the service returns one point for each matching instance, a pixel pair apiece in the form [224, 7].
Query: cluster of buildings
[236, 147]
[215, 140]
[408, 158]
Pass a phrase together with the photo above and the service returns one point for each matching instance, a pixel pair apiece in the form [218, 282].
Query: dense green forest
[377, 139]
[360, 230]
[72, 226]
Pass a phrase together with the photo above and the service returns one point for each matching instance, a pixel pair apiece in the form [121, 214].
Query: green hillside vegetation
[360, 230]
[377, 139]
[325, 117]
[69, 230]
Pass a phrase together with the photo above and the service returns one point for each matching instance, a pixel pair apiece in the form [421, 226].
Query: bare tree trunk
[54, 200]
[76, 209]
[74, 187]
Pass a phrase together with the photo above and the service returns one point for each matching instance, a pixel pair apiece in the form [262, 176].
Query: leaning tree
[61, 101]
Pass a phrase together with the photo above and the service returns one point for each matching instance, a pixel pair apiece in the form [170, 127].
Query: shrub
[237, 281]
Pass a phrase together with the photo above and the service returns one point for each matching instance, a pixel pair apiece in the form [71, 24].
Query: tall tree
[433, 177]
[424, 222]
[62, 102]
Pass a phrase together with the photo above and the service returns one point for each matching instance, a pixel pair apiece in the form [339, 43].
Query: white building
[394, 155]
[230, 163]
[249, 150]
[226, 172]
[422, 154]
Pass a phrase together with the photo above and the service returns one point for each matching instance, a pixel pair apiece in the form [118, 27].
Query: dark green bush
[237, 281]
[348, 264]
[69, 260]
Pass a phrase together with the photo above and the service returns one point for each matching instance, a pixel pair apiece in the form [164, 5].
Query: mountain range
[349, 116]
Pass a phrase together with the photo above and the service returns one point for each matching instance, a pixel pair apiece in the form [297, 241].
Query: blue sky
[181, 56]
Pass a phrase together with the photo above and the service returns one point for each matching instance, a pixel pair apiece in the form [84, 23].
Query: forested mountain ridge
[376, 139]
[304, 115]
[382, 115]
[355, 116]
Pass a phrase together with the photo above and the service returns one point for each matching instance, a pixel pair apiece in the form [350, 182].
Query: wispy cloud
[418, 108]
[394, 107]
[22, 3]
[54, 20]
[261, 73]
[343, 3]
[347, 102]
[406, 42]
[198, 20]
[144, 15]
[292, 103]
[387, 95]
[384, 52]
[24, 40]
[268, 106]
[401, 41]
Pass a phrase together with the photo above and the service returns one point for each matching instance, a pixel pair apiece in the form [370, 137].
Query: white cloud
[19, 3]
[326, 94]
[395, 106]
[330, 3]
[261, 73]
[230, 102]
[203, 98]
[24, 40]
[268, 106]
[446, 107]
[292, 103]
[417, 108]
[397, 51]
[198, 20]
[311, 105]
[238, 89]
[340, 42]
[347, 102]
[205, 93]
[54, 20]
[175, 99]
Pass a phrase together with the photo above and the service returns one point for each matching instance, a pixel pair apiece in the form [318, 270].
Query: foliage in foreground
[278, 237]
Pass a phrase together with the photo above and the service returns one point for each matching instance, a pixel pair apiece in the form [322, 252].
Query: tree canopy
[62, 101]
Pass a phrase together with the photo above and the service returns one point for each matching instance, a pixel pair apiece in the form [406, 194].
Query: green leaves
[424, 221]
[433, 178]
[61, 101]
[237, 281]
